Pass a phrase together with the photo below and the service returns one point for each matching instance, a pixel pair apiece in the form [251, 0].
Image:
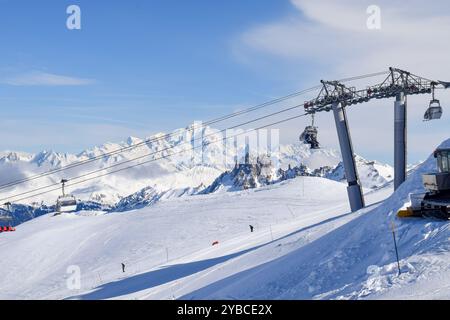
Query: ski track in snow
[187, 227]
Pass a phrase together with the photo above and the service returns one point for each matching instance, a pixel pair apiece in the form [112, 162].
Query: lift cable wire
[370, 75]
[118, 151]
[148, 161]
[210, 122]
[156, 152]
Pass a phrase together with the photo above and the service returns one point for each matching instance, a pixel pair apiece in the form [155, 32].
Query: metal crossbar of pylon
[398, 84]
[398, 81]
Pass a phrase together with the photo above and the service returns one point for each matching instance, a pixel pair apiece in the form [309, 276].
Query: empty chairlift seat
[66, 203]
[434, 111]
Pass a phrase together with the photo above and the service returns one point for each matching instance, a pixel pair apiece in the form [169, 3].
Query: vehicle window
[439, 162]
[445, 161]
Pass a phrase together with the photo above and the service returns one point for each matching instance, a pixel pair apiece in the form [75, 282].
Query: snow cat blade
[408, 213]
[423, 213]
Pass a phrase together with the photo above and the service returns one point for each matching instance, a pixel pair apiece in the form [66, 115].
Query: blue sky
[140, 67]
[143, 65]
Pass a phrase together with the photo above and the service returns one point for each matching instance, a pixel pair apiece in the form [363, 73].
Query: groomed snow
[36, 257]
[305, 246]
[356, 260]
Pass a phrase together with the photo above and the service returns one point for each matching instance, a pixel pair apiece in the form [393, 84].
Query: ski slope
[36, 257]
[356, 260]
[306, 245]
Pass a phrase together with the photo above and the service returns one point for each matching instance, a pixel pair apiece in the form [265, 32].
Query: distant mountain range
[179, 173]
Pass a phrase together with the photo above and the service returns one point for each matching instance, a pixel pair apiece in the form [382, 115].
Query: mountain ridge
[180, 174]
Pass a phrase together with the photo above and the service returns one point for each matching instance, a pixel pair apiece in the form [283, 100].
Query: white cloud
[335, 32]
[332, 38]
[37, 78]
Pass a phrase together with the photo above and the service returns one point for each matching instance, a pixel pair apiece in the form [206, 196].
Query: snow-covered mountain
[172, 169]
[248, 175]
[260, 173]
[300, 153]
[372, 174]
[149, 196]
[180, 170]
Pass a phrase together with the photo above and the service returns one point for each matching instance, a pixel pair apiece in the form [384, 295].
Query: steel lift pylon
[336, 97]
[354, 190]
[400, 139]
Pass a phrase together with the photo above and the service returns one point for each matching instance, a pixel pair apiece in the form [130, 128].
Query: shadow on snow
[171, 273]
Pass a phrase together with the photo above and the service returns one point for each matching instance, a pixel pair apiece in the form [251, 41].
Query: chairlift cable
[152, 160]
[159, 151]
[120, 150]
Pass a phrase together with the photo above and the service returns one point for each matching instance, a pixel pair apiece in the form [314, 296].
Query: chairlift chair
[65, 203]
[6, 218]
[4, 228]
[434, 111]
[309, 135]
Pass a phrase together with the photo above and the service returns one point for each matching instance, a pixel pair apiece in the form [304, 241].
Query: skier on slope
[123, 267]
[251, 228]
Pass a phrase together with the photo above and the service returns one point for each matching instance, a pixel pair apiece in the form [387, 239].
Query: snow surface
[36, 257]
[356, 260]
[372, 174]
[306, 245]
[38, 254]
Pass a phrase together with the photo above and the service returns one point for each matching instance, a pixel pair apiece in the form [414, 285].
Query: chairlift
[7, 229]
[434, 111]
[6, 218]
[8, 209]
[309, 135]
[65, 202]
